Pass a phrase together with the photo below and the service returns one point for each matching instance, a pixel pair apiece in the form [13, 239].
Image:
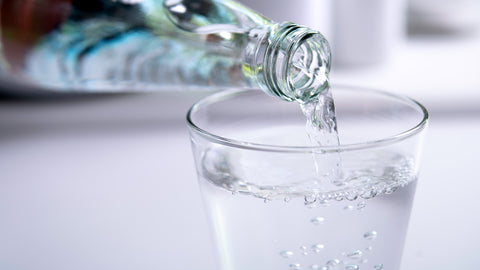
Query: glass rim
[230, 93]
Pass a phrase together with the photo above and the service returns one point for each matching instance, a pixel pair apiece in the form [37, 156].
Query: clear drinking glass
[267, 206]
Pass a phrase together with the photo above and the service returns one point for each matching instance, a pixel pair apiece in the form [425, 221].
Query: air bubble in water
[357, 254]
[317, 220]
[333, 263]
[351, 195]
[361, 205]
[378, 266]
[304, 250]
[368, 194]
[391, 189]
[371, 235]
[315, 204]
[352, 267]
[317, 248]
[286, 254]
[310, 199]
[295, 266]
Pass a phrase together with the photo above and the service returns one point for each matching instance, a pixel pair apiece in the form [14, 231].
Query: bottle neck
[289, 61]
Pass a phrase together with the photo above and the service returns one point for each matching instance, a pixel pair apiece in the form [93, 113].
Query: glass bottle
[155, 45]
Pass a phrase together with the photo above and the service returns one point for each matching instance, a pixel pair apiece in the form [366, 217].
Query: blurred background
[107, 181]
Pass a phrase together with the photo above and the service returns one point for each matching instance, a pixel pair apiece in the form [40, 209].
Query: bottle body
[102, 45]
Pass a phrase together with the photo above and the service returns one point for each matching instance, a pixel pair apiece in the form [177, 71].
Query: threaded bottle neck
[291, 62]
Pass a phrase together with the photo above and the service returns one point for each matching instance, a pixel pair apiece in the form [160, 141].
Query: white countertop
[94, 184]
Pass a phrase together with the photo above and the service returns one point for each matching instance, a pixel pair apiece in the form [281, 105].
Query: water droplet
[295, 266]
[368, 194]
[339, 196]
[266, 200]
[304, 250]
[351, 195]
[309, 199]
[317, 248]
[348, 207]
[369, 248]
[390, 190]
[364, 261]
[352, 267]
[357, 254]
[371, 235]
[317, 220]
[381, 187]
[339, 182]
[286, 254]
[312, 202]
[333, 263]
[286, 199]
[323, 203]
[314, 266]
[378, 266]
[361, 205]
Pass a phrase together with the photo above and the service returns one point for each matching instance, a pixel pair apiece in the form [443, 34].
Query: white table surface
[87, 185]
[109, 182]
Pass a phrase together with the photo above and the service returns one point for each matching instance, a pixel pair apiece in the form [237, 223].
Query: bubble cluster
[295, 266]
[314, 200]
[286, 254]
[317, 220]
[357, 254]
[361, 205]
[310, 199]
[371, 235]
[349, 191]
[317, 248]
[332, 263]
[351, 195]
[303, 250]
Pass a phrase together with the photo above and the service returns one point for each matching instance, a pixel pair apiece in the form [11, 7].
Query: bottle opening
[308, 67]
[297, 63]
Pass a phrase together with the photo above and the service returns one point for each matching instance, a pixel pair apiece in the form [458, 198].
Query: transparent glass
[267, 207]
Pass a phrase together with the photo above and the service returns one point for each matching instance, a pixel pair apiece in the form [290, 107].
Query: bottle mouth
[297, 62]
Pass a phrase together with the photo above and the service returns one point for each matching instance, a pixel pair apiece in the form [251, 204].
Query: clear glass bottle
[154, 45]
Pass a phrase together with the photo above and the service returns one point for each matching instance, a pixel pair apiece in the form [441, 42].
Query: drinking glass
[267, 191]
